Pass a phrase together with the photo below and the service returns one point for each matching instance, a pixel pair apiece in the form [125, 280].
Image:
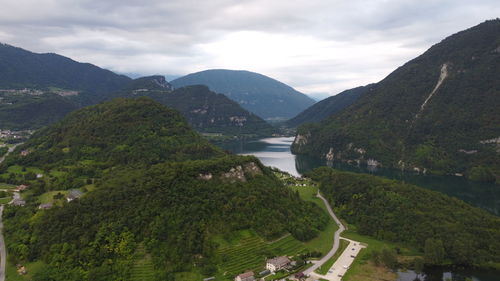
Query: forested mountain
[204, 110]
[329, 106]
[151, 184]
[24, 111]
[23, 69]
[113, 133]
[438, 112]
[445, 229]
[262, 95]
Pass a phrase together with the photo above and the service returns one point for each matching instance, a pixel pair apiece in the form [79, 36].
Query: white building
[277, 263]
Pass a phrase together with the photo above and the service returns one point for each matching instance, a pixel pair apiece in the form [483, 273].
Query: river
[275, 152]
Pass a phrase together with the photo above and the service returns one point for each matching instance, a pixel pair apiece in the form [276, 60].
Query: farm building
[74, 194]
[247, 276]
[277, 263]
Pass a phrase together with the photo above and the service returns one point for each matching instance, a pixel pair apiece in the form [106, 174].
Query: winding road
[336, 241]
[3, 252]
[10, 150]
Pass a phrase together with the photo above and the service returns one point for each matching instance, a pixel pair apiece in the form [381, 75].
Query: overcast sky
[316, 46]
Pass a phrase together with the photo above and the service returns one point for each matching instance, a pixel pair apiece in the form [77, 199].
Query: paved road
[3, 252]
[342, 264]
[336, 241]
[10, 150]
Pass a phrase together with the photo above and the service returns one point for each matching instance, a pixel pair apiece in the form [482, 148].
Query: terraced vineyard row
[142, 270]
[250, 253]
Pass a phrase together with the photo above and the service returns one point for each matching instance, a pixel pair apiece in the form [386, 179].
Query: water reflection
[442, 274]
[275, 152]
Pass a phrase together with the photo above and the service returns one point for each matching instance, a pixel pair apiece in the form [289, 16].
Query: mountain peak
[260, 94]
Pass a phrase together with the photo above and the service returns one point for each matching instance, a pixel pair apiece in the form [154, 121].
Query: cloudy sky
[316, 46]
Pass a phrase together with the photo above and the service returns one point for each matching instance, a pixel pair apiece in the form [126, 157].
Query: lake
[275, 152]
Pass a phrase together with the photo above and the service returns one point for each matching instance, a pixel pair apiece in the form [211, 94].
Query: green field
[6, 186]
[12, 275]
[247, 251]
[18, 171]
[188, 276]
[48, 197]
[142, 270]
[358, 267]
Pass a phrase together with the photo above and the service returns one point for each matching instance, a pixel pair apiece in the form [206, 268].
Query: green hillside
[445, 229]
[329, 106]
[205, 111]
[121, 131]
[23, 69]
[262, 95]
[155, 197]
[23, 111]
[438, 112]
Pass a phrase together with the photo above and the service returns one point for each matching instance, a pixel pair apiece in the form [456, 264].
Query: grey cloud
[170, 37]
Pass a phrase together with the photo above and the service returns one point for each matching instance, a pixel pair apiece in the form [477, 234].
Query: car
[340, 275]
[330, 271]
[353, 256]
[353, 249]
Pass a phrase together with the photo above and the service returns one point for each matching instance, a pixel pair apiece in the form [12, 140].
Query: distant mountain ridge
[205, 111]
[329, 106]
[262, 95]
[60, 85]
[438, 112]
[24, 69]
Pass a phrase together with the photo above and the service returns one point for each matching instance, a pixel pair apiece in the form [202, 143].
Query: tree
[433, 251]
[389, 258]
[418, 266]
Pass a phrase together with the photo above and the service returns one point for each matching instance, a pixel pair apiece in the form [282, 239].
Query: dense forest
[24, 111]
[447, 230]
[121, 131]
[151, 183]
[205, 111]
[409, 120]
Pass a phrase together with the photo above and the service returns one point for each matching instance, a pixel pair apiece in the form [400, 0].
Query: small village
[13, 136]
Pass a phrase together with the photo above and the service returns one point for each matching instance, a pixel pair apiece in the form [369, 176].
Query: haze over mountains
[262, 95]
[438, 112]
[204, 110]
[57, 85]
[23, 69]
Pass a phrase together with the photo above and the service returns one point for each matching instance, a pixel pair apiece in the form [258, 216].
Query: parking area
[340, 267]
